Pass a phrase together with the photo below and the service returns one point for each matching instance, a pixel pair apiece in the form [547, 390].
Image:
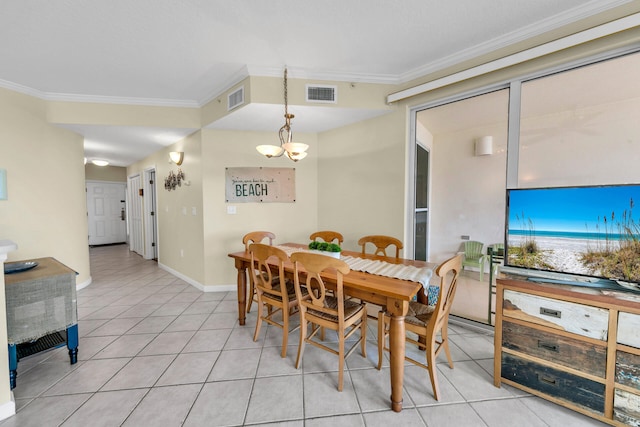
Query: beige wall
[105, 173]
[45, 213]
[361, 178]
[291, 222]
[180, 232]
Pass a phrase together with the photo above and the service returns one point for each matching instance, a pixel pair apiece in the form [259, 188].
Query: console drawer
[628, 369]
[579, 319]
[552, 382]
[565, 351]
[626, 407]
[629, 329]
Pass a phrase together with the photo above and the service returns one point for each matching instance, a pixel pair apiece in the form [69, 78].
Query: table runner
[382, 268]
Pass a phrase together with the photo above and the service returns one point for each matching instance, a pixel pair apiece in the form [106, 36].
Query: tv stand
[571, 346]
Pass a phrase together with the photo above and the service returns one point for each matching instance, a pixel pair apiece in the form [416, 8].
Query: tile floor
[155, 351]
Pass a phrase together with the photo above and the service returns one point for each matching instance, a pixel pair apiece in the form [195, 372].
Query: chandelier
[295, 150]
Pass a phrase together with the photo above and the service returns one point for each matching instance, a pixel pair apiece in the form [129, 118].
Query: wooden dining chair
[323, 310]
[270, 290]
[327, 236]
[247, 240]
[426, 321]
[381, 244]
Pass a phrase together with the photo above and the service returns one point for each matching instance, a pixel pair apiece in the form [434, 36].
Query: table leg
[397, 310]
[72, 343]
[242, 290]
[13, 365]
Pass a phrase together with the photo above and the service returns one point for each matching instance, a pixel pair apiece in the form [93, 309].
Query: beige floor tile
[266, 405]
[220, 404]
[189, 368]
[106, 409]
[164, 406]
[142, 371]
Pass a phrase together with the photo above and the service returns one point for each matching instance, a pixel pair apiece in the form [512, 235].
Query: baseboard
[84, 284]
[470, 324]
[198, 285]
[8, 409]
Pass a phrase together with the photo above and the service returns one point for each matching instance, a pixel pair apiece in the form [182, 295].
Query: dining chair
[270, 290]
[427, 321]
[473, 256]
[381, 243]
[247, 240]
[327, 236]
[323, 310]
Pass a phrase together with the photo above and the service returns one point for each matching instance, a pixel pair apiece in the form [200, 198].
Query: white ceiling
[185, 52]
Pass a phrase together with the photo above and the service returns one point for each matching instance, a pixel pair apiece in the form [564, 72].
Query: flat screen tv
[588, 236]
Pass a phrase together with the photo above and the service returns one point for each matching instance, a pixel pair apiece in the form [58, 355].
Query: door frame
[136, 242]
[150, 215]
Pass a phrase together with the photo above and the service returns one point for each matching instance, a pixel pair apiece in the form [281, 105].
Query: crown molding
[630, 21]
[587, 10]
[98, 99]
[221, 88]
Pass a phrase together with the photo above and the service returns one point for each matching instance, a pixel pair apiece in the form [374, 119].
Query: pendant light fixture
[295, 150]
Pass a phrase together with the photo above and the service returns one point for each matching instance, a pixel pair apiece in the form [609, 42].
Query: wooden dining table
[392, 294]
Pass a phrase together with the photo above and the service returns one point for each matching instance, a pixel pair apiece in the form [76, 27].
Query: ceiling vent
[322, 93]
[235, 98]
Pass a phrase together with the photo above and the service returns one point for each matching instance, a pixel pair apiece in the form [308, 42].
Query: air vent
[322, 93]
[235, 98]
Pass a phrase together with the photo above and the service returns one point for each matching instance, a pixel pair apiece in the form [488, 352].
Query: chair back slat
[448, 272]
[327, 236]
[260, 274]
[381, 244]
[313, 265]
[257, 237]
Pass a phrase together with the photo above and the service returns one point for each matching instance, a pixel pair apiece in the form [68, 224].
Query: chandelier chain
[286, 111]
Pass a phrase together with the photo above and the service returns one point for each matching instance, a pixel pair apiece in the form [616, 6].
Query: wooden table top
[388, 287]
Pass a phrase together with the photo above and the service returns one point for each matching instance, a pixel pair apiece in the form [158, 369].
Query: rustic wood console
[578, 347]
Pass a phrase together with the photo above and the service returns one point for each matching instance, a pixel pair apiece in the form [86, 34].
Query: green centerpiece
[329, 249]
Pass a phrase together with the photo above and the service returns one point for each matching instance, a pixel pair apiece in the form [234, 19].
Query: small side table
[40, 301]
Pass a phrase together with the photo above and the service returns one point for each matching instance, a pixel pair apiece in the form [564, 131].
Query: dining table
[390, 293]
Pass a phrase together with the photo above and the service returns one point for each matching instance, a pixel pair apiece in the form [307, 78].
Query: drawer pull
[547, 346]
[549, 312]
[547, 380]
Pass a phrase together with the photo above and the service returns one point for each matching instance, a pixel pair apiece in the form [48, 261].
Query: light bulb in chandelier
[270, 150]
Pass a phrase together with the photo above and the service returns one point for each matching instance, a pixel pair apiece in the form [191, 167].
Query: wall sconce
[484, 146]
[176, 157]
[3, 184]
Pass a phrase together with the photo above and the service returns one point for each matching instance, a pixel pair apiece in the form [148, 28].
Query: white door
[105, 212]
[136, 239]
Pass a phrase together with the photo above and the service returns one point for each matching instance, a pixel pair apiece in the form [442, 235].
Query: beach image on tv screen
[591, 231]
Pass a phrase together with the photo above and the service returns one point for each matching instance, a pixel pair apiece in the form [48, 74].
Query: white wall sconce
[176, 157]
[484, 146]
[3, 184]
